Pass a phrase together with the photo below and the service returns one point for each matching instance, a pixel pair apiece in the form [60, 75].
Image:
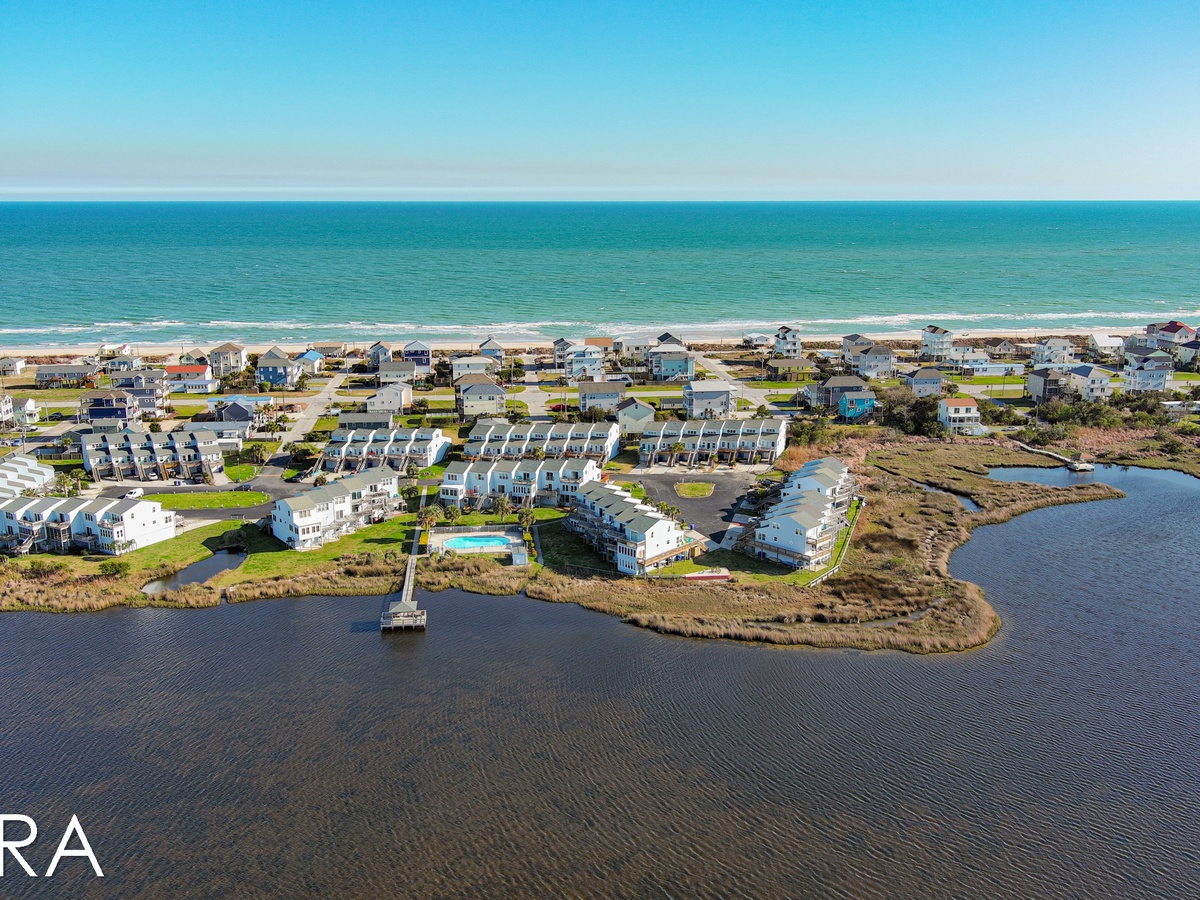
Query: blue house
[277, 369]
[419, 354]
[311, 362]
[855, 406]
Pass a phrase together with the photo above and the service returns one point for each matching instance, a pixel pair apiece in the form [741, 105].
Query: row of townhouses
[358, 448]
[801, 528]
[135, 453]
[314, 518]
[20, 473]
[631, 534]
[712, 440]
[528, 482]
[499, 439]
[55, 524]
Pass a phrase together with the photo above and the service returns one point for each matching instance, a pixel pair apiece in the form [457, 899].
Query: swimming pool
[478, 542]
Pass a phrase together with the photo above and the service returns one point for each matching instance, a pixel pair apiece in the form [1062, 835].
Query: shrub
[114, 568]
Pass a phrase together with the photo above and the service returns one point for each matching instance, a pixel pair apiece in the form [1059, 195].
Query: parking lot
[710, 515]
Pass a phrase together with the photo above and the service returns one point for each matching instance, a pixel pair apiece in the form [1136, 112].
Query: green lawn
[777, 385]
[665, 391]
[186, 410]
[1187, 376]
[517, 406]
[623, 462]
[210, 499]
[694, 490]
[562, 547]
[635, 490]
[434, 471]
[241, 471]
[1014, 380]
[553, 389]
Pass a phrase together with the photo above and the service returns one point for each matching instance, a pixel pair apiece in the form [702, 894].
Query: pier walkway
[403, 613]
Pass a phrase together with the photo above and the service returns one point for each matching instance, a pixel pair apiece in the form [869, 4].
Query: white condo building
[528, 482]
[326, 513]
[499, 439]
[358, 448]
[801, 528]
[55, 524]
[631, 534]
[720, 440]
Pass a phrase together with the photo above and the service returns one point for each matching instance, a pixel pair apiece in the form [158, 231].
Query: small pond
[221, 561]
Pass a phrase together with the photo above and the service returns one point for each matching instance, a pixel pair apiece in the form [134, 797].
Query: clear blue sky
[564, 100]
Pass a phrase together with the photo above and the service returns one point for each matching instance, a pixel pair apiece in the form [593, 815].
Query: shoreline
[732, 341]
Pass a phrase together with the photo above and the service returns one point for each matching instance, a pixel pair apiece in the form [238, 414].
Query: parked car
[135, 494]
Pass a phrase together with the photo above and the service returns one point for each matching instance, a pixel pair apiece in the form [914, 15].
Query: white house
[1053, 352]
[479, 395]
[671, 362]
[311, 362]
[471, 365]
[378, 354]
[1171, 334]
[6, 409]
[1105, 346]
[973, 358]
[11, 365]
[960, 415]
[1187, 352]
[631, 534]
[227, 359]
[713, 399]
[190, 379]
[395, 398]
[1091, 382]
[583, 361]
[925, 382]
[341, 507]
[1152, 372]
[553, 482]
[606, 395]
[25, 411]
[497, 438]
[757, 340]
[936, 342]
[635, 348]
[712, 440]
[398, 372]
[633, 415]
[787, 342]
[875, 362]
[852, 341]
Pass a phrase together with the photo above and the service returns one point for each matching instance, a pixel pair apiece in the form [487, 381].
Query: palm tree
[412, 469]
[526, 518]
[453, 514]
[428, 516]
[503, 506]
[676, 448]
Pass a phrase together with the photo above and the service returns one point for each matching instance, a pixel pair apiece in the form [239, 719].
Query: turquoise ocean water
[78, 273]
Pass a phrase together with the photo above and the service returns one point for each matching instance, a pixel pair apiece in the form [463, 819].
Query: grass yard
[434, 471]
[623, 462]
[186, 410]
[1187, 376]
[694, 490]
[793, 386]
[561, 547]
[635, 490]
[210, 499]
[517, 406]
[241, 472]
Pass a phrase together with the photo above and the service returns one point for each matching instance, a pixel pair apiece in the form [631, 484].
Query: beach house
[1090, 382]
[789, 369]
[479, 395]
[111, 410]
[66, 376]
[492, 349]
[856, 407]
[633, 535]
[936, 342]
[394, 398]
[1105, 346]
[55, 524]
[632, 348]
[527, 482]
[227, 359]
[11, 365]
[190, 379]
[633, 415]
[852, 345]
[925, 382]
[1170, 335]
[330, 349]
[471, 365]
[998, 347]
[310, 362]
[398, 372]
[149, 386]
[313, 519]
[712, 399]
[1152, 372]
[420, 354]
[1187, 353]
[1046, 384]
[827, 393]
[875, 361]
[787, 342]
[605, 395]
[25, 411]
[1053, 352]
[960, 415]
[276, 368]
[378, 354]
[670, 362]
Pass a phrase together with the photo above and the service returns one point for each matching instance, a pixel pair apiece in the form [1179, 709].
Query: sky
[969, 99]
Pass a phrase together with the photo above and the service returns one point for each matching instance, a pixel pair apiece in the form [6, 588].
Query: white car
[135, 494]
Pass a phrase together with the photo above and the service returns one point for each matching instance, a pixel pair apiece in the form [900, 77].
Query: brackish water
[283, 748]
[165, 273]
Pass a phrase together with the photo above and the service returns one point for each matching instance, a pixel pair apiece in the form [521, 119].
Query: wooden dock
[403, 613]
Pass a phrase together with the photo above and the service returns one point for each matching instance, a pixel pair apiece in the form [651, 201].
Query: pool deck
[439, 536]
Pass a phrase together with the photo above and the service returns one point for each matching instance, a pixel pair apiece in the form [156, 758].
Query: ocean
[197, 273]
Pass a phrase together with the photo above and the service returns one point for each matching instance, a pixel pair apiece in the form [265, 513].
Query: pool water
[477, 542]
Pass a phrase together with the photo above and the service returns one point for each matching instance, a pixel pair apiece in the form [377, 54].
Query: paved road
[757, 396]
[710, 515]
[314, 408]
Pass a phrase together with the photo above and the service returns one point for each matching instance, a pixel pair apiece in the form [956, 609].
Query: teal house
[856, 406]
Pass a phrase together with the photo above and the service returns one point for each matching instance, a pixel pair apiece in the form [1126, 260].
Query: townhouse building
[56, 524]
[633, 535]
[712, 440]
[135, 453]
[801, 528]
[527, 482]
[359, 448]
[499, 439]
[314, 518]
